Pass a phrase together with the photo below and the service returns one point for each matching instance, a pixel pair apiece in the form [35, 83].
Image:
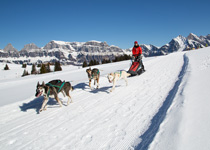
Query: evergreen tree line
[44, 68]
[105, 61]
[122, 58]
[91, 63]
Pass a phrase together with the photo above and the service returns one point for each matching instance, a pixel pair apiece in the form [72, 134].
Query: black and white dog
[93, 74]
[52, 88]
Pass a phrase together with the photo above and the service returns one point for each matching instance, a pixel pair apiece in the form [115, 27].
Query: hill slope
[98, 119]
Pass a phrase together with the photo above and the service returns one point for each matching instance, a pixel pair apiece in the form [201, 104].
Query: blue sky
[118, 22]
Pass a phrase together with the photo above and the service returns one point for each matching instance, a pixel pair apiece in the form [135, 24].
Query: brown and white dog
[113, 77]
[93, 74]
[53, 88]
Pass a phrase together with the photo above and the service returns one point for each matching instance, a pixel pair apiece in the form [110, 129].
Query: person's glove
[132, 58]
[140, 57]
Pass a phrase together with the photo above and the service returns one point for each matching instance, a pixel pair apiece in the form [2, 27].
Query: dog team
[54, 87]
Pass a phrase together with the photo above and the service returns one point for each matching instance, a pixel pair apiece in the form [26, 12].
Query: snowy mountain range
[77, 52]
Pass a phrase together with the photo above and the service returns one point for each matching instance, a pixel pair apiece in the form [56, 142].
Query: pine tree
[84, 64]
[24, 65]
[108, 61]
[103, 61]
[94, 62]
[43, 69]
[127, 57]
[48, 67]
[25, 73]
[33, 70]
[6, 67]
[91, 63]
[57, 66]
[97, 63]
[39, 65]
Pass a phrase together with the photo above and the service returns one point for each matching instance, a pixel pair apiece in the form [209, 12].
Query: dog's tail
[72, 88]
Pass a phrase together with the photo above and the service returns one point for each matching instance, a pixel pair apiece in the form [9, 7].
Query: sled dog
[52, 88]
[113, 77]
[93, 74]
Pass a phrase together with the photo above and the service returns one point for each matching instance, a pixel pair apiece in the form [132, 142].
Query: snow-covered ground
[164, 108]
[187, 124]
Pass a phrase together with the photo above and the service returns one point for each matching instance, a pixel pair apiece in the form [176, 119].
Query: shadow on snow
[36, 104]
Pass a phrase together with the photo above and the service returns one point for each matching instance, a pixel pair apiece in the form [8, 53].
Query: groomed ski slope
[97, 119]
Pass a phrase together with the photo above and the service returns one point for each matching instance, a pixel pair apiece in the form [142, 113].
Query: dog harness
[93, 74]
[118, 73]
[51, 85]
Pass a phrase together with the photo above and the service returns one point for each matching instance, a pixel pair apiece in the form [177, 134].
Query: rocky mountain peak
[208, 36]
[10, 48]
[30, 46]
[194, 37]
[57, 44]
[71, 52]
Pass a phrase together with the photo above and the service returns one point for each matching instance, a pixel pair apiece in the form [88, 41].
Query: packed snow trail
[28, 83]
[186, 126]
[97, 119]
[149, 135]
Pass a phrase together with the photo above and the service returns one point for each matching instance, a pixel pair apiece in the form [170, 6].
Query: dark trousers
[140, 61]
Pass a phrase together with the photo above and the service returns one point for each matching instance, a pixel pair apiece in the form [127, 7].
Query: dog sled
[136, 68]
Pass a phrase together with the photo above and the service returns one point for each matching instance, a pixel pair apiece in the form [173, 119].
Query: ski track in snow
[149, 135]
[97, 119]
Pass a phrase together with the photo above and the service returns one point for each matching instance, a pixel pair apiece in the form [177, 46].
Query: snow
[149, 47]
[187, 122]
[95, 41]
[195, 36]
[121, 120]
[192, 41]
[32, 59]
[182, 42]
[78, 44]
[61, 42]
[2, 51]
[15, 71]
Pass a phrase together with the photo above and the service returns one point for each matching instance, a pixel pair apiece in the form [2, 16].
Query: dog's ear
[37, 84]
[43, 83]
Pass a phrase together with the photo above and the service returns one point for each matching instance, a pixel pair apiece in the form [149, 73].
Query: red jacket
[136, 51]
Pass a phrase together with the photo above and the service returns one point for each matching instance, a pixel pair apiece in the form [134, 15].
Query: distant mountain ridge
[77, 52]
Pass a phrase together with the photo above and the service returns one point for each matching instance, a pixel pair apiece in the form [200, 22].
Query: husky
[52, 88]
[113, 77]
[93, 74]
